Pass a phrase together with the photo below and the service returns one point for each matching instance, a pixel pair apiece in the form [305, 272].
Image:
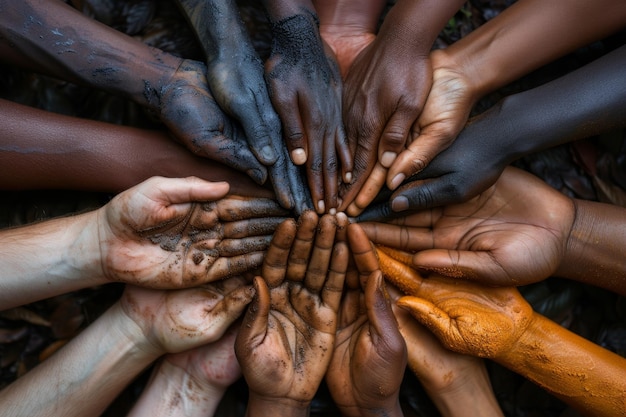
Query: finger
[299, 188]
[315, 167]
[330, 175]
[235, 302]
[293, 129]
[251, 227]
[405, 278]
[381, 317]
[397, 254]
[302, 246]
[428, 314]
[170, 191]
[401, 237]
[344, 155]
[425, 194]
[413, 160]
[395, 135]
[232, 208]
[369, 191]
[281, 182]
[254, 326]
[363, 252]
[477, 266]
[243, 246]
[342, 227]
[228, 266]
[333, 287]
[320, 255]
[255, 127]
[275, 263]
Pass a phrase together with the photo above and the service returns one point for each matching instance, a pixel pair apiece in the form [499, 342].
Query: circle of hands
[317, 304]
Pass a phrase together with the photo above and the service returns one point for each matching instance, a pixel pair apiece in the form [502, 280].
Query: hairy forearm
[577, 371]
[173, 392]
[49, 258]
[53, 38]
[529, 34]
[595, 247]
[85, 375]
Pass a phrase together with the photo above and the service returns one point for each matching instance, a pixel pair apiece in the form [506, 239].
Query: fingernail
[268, 153]
[397, 180]
[321, 207]
[332, 211]
[387, 159]
[400, 203]
[298, 156]
[347, 178]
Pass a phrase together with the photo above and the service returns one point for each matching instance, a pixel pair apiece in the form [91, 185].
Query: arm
[190, 383]
[163, 233]
[517, 232]
[96, 156]
[53, 38]
[489, 58]
[305, 87]
[87, 374]
[385, 90]
[580, 104]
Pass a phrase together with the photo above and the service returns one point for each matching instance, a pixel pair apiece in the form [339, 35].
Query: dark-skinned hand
[305, 88]
[370, 355]
[285, 341]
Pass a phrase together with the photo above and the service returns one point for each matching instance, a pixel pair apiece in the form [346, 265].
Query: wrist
[260, 405]
[133, 335]
[444, 62]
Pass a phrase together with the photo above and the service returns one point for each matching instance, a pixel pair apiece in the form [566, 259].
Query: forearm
[471, 396]
[260, 406]
[53, 38]
[529, 34]
[49, 258]
[349, 15]
[86, 375]
[279, 10]
[575, 370]
[44, 150]
[413, 25]
[595, 247]
[173, 392]
[581, 104]
[218, 26]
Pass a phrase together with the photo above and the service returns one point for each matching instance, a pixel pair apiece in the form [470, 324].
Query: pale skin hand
[191, 383]
[514, 233]
[288, 332]
[168, 233]
[369, 358]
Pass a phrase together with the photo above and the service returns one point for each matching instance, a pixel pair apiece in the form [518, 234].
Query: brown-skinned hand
[514, 233]
[285, 342]
[370, 355]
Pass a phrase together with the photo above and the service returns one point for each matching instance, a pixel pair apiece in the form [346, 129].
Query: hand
[446, 111]
[384, 93]
[305, 87]
[177, 320]
[171, 233]
[370, 357]
[212, 366]
[515, 233]
[466, 317]
[285, 340]
[187, 108]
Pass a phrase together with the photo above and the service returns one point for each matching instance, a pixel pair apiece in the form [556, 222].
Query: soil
[30, 334]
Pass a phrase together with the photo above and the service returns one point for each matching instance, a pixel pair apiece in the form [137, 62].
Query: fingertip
[396, 181]
[298, 156]
[387, 158]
